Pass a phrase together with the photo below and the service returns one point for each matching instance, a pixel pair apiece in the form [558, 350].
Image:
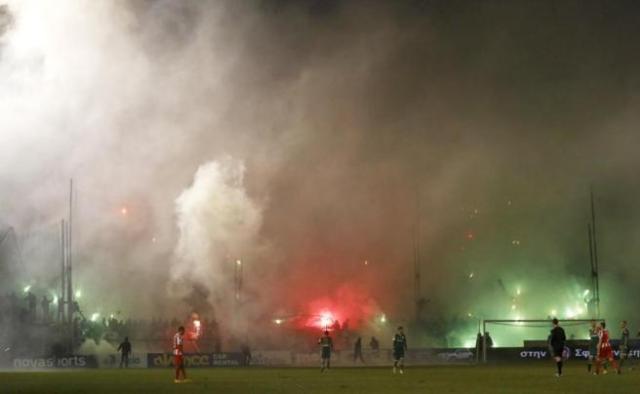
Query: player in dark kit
[125, 348]
[624, 344]
[593, 345]
[399, 347]
[557, 340]
[326, 343]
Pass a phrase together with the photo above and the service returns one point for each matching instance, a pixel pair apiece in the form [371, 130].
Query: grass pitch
[533, 378]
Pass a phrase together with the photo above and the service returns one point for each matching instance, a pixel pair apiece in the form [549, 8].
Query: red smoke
[349, 305]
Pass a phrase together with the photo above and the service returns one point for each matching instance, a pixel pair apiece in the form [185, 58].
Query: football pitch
[535, 378]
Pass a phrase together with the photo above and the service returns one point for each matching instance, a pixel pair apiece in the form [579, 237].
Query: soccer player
[593, 345]
[604, 348]
[624, 344]
[178, 340]
[556, 342]
[326, 343]
[125, 349]
[399, 347]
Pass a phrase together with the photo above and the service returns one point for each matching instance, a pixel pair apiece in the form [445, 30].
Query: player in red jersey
[605, 352]
[178, 359]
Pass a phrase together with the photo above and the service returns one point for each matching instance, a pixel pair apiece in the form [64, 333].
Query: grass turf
[533, 378]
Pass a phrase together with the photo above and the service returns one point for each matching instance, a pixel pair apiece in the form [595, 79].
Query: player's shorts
[398, 354]
[558, 352]
[606, 353]
[624, 350]
[178, 360]
[593, 351]
[326, 352]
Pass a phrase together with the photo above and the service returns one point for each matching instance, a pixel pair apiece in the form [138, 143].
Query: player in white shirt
[178, 359]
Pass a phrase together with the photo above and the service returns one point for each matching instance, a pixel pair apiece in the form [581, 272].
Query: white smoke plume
[218, 227]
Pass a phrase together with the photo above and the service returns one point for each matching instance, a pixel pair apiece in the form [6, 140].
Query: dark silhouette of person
[557, 340]
[32, 301]
[44, 304]
[246, 355]
[374, 344]
[479, 343]
[125, 350]
[326, 344]
[60, 309]
[357, 351]
[488, 340]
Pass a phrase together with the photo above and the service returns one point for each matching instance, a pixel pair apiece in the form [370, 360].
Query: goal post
[530, 324]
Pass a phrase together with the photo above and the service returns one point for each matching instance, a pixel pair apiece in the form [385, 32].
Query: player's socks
[559, 364]
[589, 367]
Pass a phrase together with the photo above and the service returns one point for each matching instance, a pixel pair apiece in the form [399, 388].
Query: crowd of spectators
[40, 316]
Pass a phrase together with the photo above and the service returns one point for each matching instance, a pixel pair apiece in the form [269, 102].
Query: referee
[556, 342]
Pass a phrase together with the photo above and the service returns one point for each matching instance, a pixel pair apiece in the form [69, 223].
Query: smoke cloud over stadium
[320, 143]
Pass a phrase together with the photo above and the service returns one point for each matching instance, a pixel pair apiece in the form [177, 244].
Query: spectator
[357, 351]
[44, 304]
[31, 305]
[375, 345]
[246, 355]
[488, 340]
[479, 343]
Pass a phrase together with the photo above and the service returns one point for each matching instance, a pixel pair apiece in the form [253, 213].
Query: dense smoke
[319, 142]
[218, 225]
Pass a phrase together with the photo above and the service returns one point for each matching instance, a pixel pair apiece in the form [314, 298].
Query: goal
[517, 333]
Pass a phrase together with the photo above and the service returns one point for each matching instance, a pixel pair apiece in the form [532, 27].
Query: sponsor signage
[136, 360]
[271, 357]
[309, 359]
[544, 353]
[455, 355]
[195, 360]
[78, 361]
[584, 353]
[512, 354]
[419, 356]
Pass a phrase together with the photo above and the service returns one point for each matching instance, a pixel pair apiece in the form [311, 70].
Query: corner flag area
[528, 378]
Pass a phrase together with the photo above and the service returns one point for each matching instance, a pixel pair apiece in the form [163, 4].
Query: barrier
[280, 358]
[195, 360]
[136, 360]
[543, 353]
[74, 361]
[272, 358]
